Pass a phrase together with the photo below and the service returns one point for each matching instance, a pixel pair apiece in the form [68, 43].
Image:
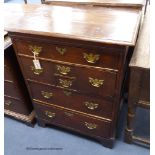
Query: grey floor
[20, 139]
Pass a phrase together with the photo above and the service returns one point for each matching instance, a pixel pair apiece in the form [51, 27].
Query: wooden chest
[73, 61]
[17, 102]
[139, 89]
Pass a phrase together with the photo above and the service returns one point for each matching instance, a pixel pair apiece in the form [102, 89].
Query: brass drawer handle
[50, 114]
[46, 95]
[65, 83]
[91, 58]
[67, 93]
[96, 82]
[63, 70]
[35, 49]
[7, 102]
[61, 50]
[68, 114]
[36, 71]
[91, 126]
[91, 105]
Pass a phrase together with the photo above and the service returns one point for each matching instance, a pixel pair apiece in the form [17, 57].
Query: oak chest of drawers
[17, 102]
[73, 61]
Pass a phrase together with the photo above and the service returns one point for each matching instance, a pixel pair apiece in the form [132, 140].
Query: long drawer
[82, 79]
[74, 121]
[71, 100]
[12, 89]
[99, 57]
[16, 105]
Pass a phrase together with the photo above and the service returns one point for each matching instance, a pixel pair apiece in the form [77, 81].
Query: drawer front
[71, 100]
[101, 83]
[8, 75]
[82, 123]
[15, 105]
[10, 89]
[43, 75]
[105, 57]
[82, 79]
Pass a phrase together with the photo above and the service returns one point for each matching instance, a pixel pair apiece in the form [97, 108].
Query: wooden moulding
[28, 119]
[109, 3]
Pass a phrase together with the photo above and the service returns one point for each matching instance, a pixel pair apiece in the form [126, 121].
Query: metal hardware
[91, 58]
[83, 113]
[90, 126]
[7, 102]
[50, 114]
[65, 83]
[61, 50]
[46, 94]
[91, 105]
[96, 82]
[63, 70]
[67, 93]
[69, 77]
[68, 114]
[35, 49]
[8, 81]
[36, 71]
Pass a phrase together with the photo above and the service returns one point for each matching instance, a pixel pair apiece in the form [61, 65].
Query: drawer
[8, 75]
[82, 79]
[74, 121]
[101, 57]
[44, 75]
[15, 105]
[71, 100]
[102, 83]
[10, 89]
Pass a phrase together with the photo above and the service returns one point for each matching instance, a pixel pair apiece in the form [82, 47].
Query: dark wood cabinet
[17, 103]
[74, 63]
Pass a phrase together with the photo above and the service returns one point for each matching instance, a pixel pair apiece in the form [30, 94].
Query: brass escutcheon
[46, 94]
[35, 49]
[63, 70]
[91, 105]
[61, 50]
[36, 71]
[91, 58]
[96, 82]
[50, 114]
[65, 83]
[91, 126]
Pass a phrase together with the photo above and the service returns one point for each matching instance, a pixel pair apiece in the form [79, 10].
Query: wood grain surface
[141, 55]
[124, 3]
[94, 24]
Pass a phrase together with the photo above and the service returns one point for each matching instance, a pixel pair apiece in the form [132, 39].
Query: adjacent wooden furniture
[139, 86]
[73, 61]
[17, 103]
[118, 3]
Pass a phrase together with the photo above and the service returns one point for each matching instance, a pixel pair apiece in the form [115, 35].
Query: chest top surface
[130, 3]
[95, 24]
[141, 55]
